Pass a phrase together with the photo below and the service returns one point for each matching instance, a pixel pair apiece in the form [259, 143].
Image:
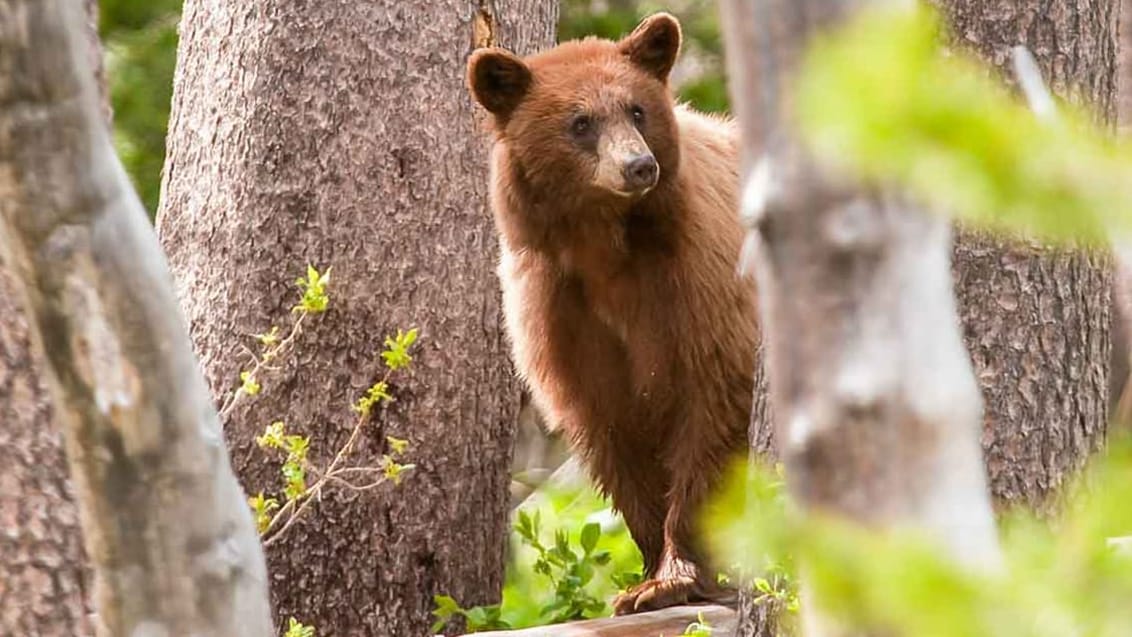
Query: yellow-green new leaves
[375, 395]
[391, 469]
[882, 101]
[248, 384]
[294, 467]
[315, 297]
[297, 629]
[270, 338]
[398, 446]
[396, 352]
[263, 508]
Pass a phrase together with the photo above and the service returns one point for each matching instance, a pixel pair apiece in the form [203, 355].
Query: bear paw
[658, 593]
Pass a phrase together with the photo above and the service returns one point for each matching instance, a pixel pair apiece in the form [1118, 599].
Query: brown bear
[619, 233]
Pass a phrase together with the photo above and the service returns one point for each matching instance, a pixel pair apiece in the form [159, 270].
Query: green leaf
[314, 298]
[397, 445]
[445, 608]
[590, 535]
[272, 437]
[297, 629]
[248, 384]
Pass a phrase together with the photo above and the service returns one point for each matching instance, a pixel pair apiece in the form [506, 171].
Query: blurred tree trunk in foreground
[341, 135]
[1120, 391]
[876, 407]
[43, 587]
[1036, 320]
[165, 523]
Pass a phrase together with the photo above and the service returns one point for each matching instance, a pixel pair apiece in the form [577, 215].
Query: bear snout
[641, 172]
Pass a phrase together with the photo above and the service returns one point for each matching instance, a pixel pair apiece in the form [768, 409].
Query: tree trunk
[1120, 370]
[43, 578]
[850, 285]
[164, 520]
[341, 135]
[1036, 320]
[1124, 69]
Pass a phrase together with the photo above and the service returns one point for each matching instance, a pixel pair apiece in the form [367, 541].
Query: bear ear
[654, 44]
[498, 79]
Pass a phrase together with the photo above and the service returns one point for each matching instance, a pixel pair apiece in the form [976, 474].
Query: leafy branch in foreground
[882, 101]
[1064, 579]
[273, 519]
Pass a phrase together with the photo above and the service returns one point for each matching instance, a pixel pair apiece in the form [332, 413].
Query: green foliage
[894, 108]
[262, 509]
[294, 466]
[476, 618]
[396, 352]
[297, 629]
[390, 467]
[270, 338]
[574, 576]
[314, 298]
[707, 90]
[375, 395]
[698, 628]
[570, 571]
[1057, 580]
[531, 597]
[248, 383]
[140, 44]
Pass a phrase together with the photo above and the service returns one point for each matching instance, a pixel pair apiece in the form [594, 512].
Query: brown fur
[626, 314]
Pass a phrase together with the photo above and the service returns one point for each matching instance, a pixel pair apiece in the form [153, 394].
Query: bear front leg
[638, 493]
[683, 575]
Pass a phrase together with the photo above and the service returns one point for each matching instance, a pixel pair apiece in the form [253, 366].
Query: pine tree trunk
[341, 135]
[166, 526]
[43, 579]
[1036, 321]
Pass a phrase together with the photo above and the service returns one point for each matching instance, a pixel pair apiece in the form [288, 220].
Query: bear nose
[641, 172]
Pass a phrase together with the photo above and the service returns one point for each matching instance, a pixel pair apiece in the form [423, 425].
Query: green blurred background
[140, 39]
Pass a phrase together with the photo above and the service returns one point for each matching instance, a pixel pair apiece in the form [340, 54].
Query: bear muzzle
[641, 173]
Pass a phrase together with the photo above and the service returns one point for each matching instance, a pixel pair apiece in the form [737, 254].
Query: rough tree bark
[876, 407]
[340, 134]
[165, 523]
[43, 579]
[1036, 321]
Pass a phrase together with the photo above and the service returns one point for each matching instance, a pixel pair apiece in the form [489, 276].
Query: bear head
[590, 120]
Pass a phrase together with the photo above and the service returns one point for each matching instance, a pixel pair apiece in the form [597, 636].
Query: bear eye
[580, 126]
[638, 114]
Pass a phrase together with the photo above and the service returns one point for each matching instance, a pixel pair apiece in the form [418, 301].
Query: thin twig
[331, 473]
[261, 363]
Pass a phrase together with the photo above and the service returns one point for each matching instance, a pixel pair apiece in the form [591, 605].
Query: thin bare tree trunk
[43, 574]
[339, 134]
[876, 406]
[165, 523]
[1036, 320]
